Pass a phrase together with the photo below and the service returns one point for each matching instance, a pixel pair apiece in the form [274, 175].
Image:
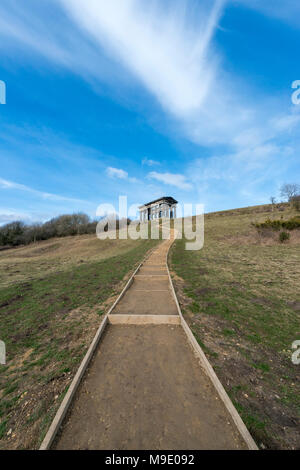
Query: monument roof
[168, 199]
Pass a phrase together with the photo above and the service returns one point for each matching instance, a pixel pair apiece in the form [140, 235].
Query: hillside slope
[52, 297]
[240, 296]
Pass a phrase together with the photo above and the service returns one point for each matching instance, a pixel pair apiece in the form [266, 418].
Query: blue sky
[184, 98]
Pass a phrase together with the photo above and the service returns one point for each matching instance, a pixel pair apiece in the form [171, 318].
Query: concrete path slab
[150, 292]
[144, 390]
[149, 270]
[144, 301]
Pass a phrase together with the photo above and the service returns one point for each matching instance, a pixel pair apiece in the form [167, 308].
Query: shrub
[273, 224]
[284, 236]
[290, 224]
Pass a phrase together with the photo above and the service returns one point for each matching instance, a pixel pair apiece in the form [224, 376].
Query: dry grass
[56, 255]
[52, 297]
[240, 295]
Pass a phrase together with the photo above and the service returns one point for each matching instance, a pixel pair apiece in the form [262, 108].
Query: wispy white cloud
[167, 46]
[44, 30]
[250, 175]
[7, 216]
[149, 162]
[170, 51]
[286, 123]
[11, 185]
[167, 54]
[116, 173]
[120, 174]
[177, 180]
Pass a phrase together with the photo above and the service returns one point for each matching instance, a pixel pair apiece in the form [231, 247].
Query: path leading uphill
[145, 388]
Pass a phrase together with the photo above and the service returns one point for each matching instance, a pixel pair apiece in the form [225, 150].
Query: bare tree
[289, 191]
[273, 202]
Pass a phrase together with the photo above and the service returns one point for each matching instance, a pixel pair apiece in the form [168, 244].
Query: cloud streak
[250, 176]
[167, 47]
[171, 52]
[149, 162]
[156, 47]
[11, 185]
[116, 173]
[177, 180]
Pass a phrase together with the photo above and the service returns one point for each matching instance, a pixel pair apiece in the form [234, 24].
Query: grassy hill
[240, 295]
[52, 297]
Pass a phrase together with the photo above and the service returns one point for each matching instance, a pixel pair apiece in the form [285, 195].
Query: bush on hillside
[291, 224]
[284, 236]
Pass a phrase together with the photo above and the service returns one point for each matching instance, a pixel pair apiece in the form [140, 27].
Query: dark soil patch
[205, 291]
[202, 271]
[11, 301]
[262, 301]
[295, 306]
[236, 285]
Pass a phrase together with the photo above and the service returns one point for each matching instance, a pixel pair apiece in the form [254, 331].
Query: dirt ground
[145, 390]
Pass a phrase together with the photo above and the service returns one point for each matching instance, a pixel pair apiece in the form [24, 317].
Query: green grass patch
[253, 422]
[3, 428]
[246, 288]
[45, 342]
[262, 366]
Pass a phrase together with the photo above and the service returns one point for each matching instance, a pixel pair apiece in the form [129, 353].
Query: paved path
[144, 388]
[150, 292]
